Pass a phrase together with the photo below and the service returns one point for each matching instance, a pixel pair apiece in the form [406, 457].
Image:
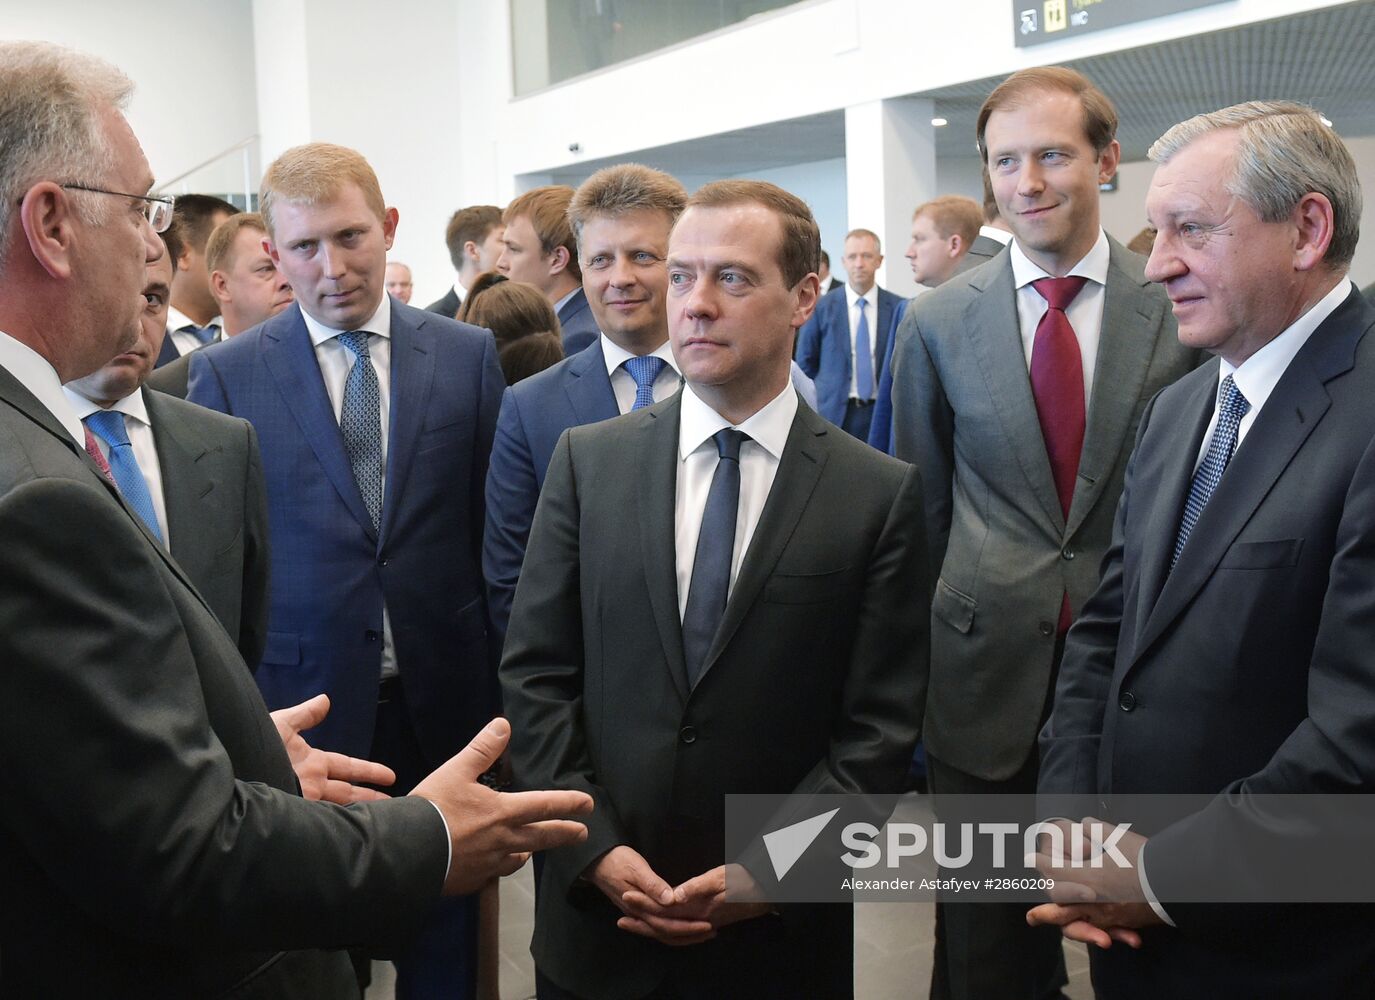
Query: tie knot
[861, 303]
[205, 334]
[109, 424]
[645, 370]
[356, 341]
[1059, 292]
[728, 441]
[1234, 405]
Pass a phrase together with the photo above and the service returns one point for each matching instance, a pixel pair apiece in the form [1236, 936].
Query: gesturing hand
[326, 776]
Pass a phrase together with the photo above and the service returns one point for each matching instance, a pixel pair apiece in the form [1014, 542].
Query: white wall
[191, 63]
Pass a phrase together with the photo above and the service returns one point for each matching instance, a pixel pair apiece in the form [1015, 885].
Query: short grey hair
[1285, 151]
[51, 99]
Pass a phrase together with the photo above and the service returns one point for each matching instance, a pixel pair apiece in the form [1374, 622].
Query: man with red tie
[1017, 389]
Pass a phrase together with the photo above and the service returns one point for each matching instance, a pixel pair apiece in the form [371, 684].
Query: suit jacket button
[687, 735]
[370, 635]
[382, 561]
[1066, 553]
[1127, 702]
[1046, 628]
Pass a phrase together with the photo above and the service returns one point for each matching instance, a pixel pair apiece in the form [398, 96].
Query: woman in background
[522, 320]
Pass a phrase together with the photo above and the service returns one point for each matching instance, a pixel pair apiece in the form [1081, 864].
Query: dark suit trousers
[986, 951]
[441, 964]
[858, 417]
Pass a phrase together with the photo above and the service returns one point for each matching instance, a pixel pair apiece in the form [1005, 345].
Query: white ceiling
[1325, 58]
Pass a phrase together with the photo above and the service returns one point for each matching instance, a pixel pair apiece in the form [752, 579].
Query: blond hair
[314, 173]
[219, 249]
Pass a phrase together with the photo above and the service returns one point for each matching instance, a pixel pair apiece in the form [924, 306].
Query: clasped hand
[674, 915]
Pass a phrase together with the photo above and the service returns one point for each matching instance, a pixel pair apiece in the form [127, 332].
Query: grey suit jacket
[981, 251]
[1002, 550]
[152, 843]
[212, 487]
[172, 377]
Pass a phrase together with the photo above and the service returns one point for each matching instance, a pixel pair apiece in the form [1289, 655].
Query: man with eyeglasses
[153, 839]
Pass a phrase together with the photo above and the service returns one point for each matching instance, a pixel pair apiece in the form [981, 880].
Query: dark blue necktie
[644, 371]
[205, 334]
[360, 422]
[864, 356]
[710, 585]
[1231, 408]
[109, 426]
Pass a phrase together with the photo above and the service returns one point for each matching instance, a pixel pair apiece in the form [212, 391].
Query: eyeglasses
[158, 211]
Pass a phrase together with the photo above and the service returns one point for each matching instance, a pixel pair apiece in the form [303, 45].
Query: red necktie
[93, 450]
[1057, 382]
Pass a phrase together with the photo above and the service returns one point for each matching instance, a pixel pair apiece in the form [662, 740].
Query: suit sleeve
[542, 667]
[924, 430]
[257, 556]
[809, 344]
[881, 429]
[203, 384]
[512, 491]
[119, 788]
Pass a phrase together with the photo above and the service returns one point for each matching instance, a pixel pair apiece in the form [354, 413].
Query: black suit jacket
[1245, 670]
[152, 843]
[447, 306]
[212, 488]
[820, 619]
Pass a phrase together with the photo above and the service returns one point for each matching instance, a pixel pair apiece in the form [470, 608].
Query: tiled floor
[893, 944]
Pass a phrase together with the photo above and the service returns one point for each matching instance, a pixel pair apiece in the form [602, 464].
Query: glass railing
[231, 174]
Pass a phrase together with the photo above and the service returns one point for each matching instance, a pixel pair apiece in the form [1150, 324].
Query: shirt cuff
[1146, 888]
[448, 842]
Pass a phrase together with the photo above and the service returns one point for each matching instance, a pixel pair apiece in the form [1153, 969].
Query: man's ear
[49, 222]
[558, 259]
[1314, 225]
[219, 287]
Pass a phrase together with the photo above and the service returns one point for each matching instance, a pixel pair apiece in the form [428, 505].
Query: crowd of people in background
[695, 518]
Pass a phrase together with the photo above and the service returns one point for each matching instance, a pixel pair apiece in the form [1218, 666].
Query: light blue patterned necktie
[644, 371]
[864, 355]
[360, 422]
[1231, 408]
[109, 426]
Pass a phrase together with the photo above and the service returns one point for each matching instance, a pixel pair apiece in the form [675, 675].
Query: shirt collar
[460, 292]
[380, 323]
[615, 355]
[1258, 375]
[993, 233]
[178, 320]
[132, 404]
[1093, 266]
[852, 296]
[768, 427]
[36, 374]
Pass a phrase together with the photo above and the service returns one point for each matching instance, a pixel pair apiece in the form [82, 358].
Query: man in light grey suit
[1017, 390]
[200, 469]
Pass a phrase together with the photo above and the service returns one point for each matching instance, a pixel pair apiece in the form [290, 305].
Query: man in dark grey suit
[692, 566]
[1017, 387]
[473, 237]
[152, 839]
[199, 470]
[943, 230]
[1227, 651]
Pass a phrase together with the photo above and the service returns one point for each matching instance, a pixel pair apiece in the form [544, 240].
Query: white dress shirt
[697, 459]
[871, 313]
[1085, 312]
[336, 361]
[1001, 235]
[140, 431]
[623, 384]
[1260, 373]
[36, 374]
[179, 326]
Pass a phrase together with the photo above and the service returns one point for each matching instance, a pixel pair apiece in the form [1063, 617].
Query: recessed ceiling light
[938, 122]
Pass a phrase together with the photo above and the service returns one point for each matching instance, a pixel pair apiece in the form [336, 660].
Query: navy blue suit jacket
[534, 413]
[823, 348]
[331, 572]
[578, 324]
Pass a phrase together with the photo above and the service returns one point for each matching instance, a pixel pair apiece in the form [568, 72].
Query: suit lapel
[991, 321]
[185, 485]
[658, 465]
[1126, 342]
[804, 456]
[883, 330]
[589, 387]
[573, 306]
[290, 358]
[412, 379]
[1295, 407]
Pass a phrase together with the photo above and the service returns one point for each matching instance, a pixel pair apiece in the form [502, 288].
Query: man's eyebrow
[157, 288]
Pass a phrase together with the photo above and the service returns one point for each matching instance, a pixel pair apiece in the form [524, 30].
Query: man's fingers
[306, 715]
[546, 835]
[644, 879]
[484, 750]
[532, 807]
[706, 885]
[674, 932]
[513, 863]
[1068, 893]
[1087, 933]
[640, 903]
[1126, 936]
[345, 793]
[358, 771]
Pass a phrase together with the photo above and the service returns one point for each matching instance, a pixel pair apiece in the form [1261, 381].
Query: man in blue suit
[540, 249]
[842, 346]
[622, 216]
[375, 422]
